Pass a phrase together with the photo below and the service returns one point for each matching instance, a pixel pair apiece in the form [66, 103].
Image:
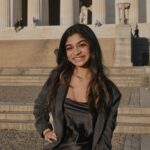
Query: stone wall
[40, 53]
[108, 50]
[33, 53]
[144, 30]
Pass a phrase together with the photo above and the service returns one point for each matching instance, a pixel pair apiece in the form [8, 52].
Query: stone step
[121, 128]
[121, 81]
[22, 84]
[132, 128]
[25, 71]
[10, 107]
[136, 119]
[46, 70]
[134, 111]
[122, 76]
[18, 125]
[129, 128]
[127, 71]
[130, 81]
[28, 116]
[22, 78]
[20, 117]
[17, 116]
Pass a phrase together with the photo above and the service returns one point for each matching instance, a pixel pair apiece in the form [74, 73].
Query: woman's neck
[82, 73]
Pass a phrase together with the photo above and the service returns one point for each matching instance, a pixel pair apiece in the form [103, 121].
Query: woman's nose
[76, 51]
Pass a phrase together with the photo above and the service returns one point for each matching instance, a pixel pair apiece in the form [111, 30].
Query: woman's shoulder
[112, 87]
[109, 83]
[52, 76]
[53, 73]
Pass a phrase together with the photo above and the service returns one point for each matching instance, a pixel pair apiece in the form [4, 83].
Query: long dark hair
[65, 68]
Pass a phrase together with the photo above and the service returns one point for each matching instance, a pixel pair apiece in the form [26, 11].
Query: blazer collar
[60, 97]
[100, 122]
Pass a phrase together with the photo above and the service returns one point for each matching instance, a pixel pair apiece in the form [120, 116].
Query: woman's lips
[79, 58]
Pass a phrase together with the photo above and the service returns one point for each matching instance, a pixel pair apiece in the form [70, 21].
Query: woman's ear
[56, 51]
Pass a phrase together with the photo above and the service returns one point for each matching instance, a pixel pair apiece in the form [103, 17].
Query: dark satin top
[79, 124]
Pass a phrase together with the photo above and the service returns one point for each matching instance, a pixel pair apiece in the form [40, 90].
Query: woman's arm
[105, 140]
[41, 110]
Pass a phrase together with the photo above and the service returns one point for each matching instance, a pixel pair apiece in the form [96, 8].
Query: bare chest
[78, 90]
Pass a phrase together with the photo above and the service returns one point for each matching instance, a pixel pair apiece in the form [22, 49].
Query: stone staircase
[20, 117]
[135, 120]
[123, 77]
[17, 117]
[129, 76]
[132, 116]
[23, 76]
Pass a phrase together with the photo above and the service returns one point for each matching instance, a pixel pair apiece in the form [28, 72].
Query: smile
[79, 58]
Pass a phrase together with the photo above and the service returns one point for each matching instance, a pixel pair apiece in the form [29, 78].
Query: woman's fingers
[50, 136]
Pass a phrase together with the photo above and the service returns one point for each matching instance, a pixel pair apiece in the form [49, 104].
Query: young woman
[82, 101]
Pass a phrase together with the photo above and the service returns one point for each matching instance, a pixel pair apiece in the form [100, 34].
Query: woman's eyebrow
[78, 42]
[82, 41]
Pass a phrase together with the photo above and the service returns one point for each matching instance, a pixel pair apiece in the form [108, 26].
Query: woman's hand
[49, 135]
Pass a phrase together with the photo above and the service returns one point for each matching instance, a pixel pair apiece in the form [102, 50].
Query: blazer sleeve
[111, 117]
[41, 110]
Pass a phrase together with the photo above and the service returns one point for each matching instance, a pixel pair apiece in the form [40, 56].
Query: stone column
[16, 11]
[148, 11]
[98, 11]
[11, 13]
[69, 12]
[34, 12]
[134, 14]
[45, 12]
[117, 11]
[4, 13]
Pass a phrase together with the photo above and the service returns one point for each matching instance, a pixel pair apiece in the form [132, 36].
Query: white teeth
[78, 58]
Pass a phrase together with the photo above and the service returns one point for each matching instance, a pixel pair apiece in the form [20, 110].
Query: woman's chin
[81, 65]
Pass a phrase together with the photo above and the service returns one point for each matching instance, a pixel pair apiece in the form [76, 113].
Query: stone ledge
[17, 125]
[134, 119]
[121, 81]
[132, 129]
[51, 32]
[46, 70]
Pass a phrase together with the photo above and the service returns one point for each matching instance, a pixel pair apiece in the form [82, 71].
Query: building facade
[46, 21]
[66, 12]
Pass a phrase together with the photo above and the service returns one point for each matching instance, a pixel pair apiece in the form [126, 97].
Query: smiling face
[78, 50]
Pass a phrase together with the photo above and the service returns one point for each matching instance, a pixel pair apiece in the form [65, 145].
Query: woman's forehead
[75, 39]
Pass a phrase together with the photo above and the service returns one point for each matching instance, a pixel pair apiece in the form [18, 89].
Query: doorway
[24, 11]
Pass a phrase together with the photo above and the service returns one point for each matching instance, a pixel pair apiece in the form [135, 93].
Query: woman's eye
[82, 45]
[68, 48]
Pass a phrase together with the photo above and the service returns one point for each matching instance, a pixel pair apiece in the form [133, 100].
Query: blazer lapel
[58, 120]
[98, 128]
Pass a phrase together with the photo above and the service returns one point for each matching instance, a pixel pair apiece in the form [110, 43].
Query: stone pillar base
[123, 46]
